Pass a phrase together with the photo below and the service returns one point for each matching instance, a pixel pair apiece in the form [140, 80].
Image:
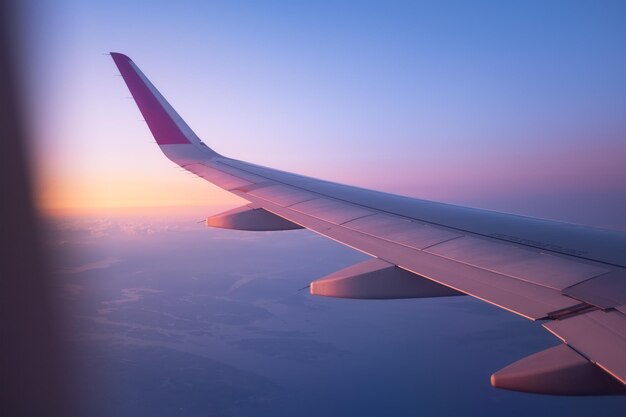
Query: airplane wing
[570, 278]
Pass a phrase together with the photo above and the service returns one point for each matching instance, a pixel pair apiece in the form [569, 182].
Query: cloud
[101, 264]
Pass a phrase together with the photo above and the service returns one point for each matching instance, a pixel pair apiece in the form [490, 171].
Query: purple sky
[517, 107]
[514, 107]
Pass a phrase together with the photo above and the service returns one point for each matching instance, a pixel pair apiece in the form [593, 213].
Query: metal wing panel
[215, 163]
[400, 230]
[283, 195]
[521, 263]
[333, 211]
[220, 178]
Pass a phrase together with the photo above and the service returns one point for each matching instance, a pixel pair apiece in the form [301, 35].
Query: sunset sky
[517, 107]
[514, 107]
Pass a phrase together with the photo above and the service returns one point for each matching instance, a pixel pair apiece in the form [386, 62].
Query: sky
[167, 318]
[518, 107]
[515, 107]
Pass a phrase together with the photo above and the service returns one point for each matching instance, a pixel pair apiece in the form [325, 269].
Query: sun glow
[85, 194]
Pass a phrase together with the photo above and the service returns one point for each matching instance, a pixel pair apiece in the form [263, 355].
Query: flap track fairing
[377, 279]
[252, 219]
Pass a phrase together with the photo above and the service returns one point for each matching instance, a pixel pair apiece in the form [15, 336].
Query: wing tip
[119, 56]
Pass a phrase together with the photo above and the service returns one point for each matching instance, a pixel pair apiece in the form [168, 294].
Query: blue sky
[517, 107]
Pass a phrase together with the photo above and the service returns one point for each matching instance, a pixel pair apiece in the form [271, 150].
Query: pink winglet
[161, 124]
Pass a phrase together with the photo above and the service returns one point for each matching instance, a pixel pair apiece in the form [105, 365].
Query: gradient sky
[511, 106]
[516, 107]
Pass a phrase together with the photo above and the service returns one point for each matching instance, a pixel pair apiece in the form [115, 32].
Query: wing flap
[599, 335]
[606, 291]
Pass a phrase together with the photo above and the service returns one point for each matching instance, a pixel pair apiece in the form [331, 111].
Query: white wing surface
[571, 278]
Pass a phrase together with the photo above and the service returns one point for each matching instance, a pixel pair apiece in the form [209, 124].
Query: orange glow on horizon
[72, 194]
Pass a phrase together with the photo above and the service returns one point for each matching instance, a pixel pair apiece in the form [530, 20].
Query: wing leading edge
[571, 278]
